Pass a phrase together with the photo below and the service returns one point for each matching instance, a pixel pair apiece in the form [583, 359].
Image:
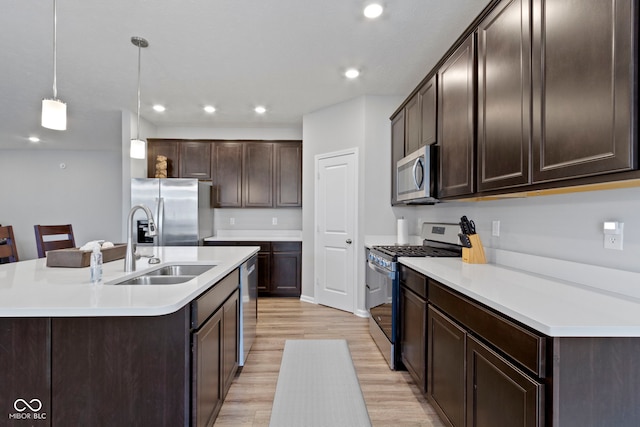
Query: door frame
[356, 229]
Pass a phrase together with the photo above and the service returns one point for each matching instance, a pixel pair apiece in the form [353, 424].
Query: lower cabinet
[230, 347]
[446, 367]
[206, 373]
[413, 346]
[279, 266]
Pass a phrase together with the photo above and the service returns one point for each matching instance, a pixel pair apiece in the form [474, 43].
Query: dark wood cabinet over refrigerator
[456, 89]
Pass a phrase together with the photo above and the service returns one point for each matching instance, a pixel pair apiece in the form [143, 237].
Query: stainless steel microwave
[416, 176]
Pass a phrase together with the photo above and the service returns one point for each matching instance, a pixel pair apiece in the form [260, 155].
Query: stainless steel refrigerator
[181, 209]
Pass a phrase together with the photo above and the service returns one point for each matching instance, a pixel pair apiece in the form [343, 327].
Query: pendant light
[54, 111]
[138, 146]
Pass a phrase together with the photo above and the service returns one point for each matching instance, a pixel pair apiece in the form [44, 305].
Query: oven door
[380, 287]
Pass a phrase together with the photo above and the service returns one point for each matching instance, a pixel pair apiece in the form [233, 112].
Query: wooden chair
[52, 244]
[8, 250]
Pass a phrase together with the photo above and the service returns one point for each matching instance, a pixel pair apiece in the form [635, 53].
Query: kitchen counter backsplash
[256, 235]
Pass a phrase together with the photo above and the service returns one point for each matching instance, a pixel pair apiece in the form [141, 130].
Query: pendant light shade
[138, 148]
[54, 114]
[54, 111]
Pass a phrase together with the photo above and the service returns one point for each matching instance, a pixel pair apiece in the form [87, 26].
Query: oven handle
[380, 270]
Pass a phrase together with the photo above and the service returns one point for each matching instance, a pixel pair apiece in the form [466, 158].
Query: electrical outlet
[613, 241]
[232, 221]
[274, 221]
[495, 228]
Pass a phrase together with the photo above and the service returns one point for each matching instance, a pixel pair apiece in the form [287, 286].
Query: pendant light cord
[138, 125]
[55, 41]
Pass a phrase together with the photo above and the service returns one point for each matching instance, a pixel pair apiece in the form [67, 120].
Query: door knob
[348, 241]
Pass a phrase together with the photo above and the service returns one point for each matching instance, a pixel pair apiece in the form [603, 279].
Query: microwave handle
[415, 170]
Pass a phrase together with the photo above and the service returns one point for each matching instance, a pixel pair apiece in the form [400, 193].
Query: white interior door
[336, 219]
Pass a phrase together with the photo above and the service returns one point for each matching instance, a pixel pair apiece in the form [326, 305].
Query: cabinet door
[230, 319]
[195, 160]
[168, 148]
[288, 173]
[397, 152]
[206, 372]
[258, 175]
[286, 269]
[584, 92]
[25, 369]
[446, 367]
[227, 174]
[504, 96]
[498, 393]
[413, 336]
[428, 107]
[456, 84]
[413, 124]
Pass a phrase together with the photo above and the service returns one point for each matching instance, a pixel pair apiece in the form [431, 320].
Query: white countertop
[31, 289]
[256, 236]
[552, 306]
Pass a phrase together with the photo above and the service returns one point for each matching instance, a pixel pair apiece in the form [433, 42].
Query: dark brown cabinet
[428, 112]
[288, 175]
[206, 387]
[413, 346]
[195, 160]
[170, 148]
[397, 152]
[446, 367]
[258, 175]
[498, 393]
[286, 269]
[279, 266]
[584, 110]
[230, 346]
[413, 124]
[504, 96]
[226, 168]
[456, 103]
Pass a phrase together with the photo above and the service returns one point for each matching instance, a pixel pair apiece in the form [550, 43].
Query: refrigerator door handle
[160, 220]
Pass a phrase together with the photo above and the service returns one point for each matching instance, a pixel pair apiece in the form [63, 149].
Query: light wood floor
[391, 397]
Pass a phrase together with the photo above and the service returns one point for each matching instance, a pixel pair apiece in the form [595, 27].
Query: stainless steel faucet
[130, 257]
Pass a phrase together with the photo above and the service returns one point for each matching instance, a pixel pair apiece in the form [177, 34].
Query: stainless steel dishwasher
[248, 306]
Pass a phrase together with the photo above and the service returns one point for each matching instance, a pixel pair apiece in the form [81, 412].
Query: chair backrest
[8, 249]
[64, 238]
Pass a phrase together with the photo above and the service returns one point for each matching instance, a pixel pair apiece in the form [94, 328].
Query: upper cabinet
[584, 61]
[536, 94]
[504, 96]
[226, 165]
[456, 84]
[258, 175]
[288, 174]
[397, 151]
[195, 160]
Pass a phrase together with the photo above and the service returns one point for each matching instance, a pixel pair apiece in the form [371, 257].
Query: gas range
[397, 251]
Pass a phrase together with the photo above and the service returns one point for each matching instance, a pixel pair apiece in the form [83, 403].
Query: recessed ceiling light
[34, 139]
[210, 109]
[352, 73]
[373, 11]
[159, 108]
[260, 109]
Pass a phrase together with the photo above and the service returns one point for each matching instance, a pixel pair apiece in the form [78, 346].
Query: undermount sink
[168, 275]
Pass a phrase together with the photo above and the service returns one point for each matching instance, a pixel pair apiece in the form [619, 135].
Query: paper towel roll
[403, 232]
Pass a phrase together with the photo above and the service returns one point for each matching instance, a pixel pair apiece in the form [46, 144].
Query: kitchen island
[72, 353]
[507, 347]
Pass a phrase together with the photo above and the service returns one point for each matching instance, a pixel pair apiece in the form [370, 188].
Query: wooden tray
[74, 257]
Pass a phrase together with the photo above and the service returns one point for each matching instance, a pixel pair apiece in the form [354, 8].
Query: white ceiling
[288, 55]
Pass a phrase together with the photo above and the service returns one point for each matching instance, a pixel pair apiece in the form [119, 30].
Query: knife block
[474, 254]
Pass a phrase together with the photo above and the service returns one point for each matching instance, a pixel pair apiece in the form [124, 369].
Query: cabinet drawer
[525, 347]
[414, 281]
[286, 246]
[206, 304]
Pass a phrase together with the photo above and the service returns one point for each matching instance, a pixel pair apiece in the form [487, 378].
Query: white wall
[362, 123]
[566, 227]
[86, 194]
[267, 133]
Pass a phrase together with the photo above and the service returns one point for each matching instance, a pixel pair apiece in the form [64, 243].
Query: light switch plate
[495, 228]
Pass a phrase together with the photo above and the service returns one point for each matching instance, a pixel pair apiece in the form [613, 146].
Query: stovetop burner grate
[416, 251]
